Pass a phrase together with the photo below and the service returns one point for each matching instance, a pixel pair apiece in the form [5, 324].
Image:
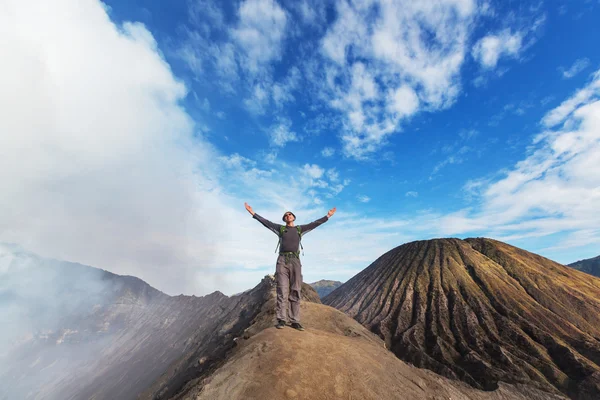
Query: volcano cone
[482, 311]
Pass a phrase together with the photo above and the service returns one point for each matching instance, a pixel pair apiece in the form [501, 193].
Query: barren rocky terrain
[483, 312]
[335, 358]
[485, 320]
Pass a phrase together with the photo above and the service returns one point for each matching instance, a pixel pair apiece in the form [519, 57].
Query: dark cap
[283, 218]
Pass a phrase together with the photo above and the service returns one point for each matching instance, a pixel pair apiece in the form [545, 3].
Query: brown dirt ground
[335, 358]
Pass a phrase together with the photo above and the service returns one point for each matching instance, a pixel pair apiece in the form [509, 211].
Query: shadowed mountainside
[482, 311]
[590, 266]
[324, 287]
[79, 332]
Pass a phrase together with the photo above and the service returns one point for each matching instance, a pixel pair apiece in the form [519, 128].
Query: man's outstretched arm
[270, 225]
[309, 227]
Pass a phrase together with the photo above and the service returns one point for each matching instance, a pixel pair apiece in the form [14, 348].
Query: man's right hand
[249, 209]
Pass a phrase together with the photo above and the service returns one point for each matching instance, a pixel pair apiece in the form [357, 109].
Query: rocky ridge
[335, 358]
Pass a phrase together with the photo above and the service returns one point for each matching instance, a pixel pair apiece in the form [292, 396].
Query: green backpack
[282, 230]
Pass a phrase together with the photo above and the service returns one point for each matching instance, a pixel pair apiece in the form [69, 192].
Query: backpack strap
[282, 230]
[300, 234]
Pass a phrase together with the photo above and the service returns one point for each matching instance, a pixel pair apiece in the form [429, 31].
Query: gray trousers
[288, 274]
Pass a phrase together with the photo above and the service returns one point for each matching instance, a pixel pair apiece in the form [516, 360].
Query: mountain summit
[324, 286]
[590, 266]
[484, 312]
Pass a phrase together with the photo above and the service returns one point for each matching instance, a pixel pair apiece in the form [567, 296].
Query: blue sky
[454, 118]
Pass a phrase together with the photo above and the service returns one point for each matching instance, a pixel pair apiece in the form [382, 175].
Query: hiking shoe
[280, 324]
[296, 325]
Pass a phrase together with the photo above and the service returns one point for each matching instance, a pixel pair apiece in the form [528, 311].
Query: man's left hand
[331, 212]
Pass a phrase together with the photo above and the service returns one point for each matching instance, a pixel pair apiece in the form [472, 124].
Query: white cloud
[488, 50]
[282, 91]
[457, 157]
[239, 58]
[313, 171]
[363, 198]
[412, 194]
[317, 181]
[265, 93]
[468, 134]
[237, 161]
[555, 189]
[327, 152]
[311, 12]
[259, 99]
[403, 101]
[205, 14]
[414, 49]
[260, 32]
[582, 96]
[120, 182]
[97, 156]
[270, 157]
[333, 175]
[101, 165]
[204, 56]
[578, 66]
[281, 133]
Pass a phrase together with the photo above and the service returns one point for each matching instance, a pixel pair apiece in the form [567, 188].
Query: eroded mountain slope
[483, 312]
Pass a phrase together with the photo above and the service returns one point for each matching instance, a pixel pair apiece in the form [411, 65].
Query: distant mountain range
[512, 324]
[324, 287]
[590, 266]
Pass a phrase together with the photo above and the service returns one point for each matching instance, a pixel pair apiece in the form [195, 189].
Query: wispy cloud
[282, 92]
[374, 67]
[577, 67]
[327, 152]
[520, 32]
[416, 49]
[280, 134]
[456, 158]
[555, 188]
[489, 49]
[467, 134]
[568, 106]
[311, 12]
[240, 55]
[258, 99]
[313, 171]
[260, 32]
[363, 198]
[519, 109]
[412, 194]
[455, 152]
[333, 175]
